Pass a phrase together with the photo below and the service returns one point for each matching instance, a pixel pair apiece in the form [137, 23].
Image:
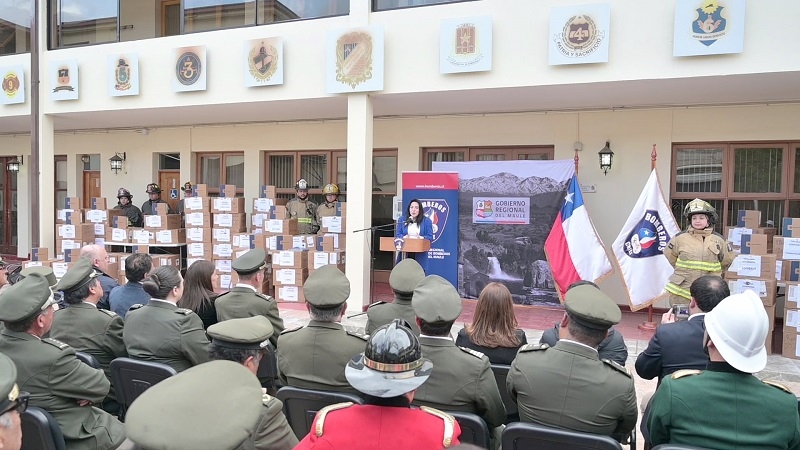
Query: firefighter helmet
[330, 188]
[153, 188]
[122, 192]
[698, 206]
[302, 185]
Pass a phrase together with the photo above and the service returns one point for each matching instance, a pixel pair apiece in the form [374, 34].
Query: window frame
[471, 153]
[223, 178]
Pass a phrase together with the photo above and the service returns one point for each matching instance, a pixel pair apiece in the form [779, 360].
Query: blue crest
[648, 238]
[709, 24]
[438, 211]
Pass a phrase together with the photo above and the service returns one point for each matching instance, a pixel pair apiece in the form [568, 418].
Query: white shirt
[580, 343]
[413, 230]
[247, 286]
[162, 301]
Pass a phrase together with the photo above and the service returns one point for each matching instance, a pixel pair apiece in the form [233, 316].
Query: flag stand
[650, 325]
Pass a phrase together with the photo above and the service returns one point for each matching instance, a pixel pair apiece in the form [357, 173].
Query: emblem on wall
[264, 62]
[190, 70]
[465, 45]
[123, 76]
[708, 27]
[355, 60]
[13, 82]
[64, 80]
[579, 34]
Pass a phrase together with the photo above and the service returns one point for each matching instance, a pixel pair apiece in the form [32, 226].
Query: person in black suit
[679, 345]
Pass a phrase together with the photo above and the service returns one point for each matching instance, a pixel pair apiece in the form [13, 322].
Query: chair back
[132, 377]
[500, 374]
[523, 436]
[40, 431]
[677, 447]
[300, 405]
[88, 359]
[473, 429]
[268, 369]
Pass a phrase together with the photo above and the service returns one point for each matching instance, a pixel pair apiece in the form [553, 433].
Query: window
[455, 154]
[61, 180]
[380, 5]
[15, 31]
[737, 176]
[215, 169]
[206, 15]
[84, 22]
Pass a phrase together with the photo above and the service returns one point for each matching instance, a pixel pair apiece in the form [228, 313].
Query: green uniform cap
[214, 405]
[78, 276]
[251, 333]
[29, 296]
[2, 263]
[9, 391]
[326, 287]
[251, 262]
[436, 300]
[406, 276]
[590, 307]
[47, 272]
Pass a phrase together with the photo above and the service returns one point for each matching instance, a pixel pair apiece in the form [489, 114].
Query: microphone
[409, 220]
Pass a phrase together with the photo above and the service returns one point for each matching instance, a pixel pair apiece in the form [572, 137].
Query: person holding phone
[414, 225]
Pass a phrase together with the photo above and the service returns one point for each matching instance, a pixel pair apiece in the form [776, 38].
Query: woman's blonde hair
[494, 324]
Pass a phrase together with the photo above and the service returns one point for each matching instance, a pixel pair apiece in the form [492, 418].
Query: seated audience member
[243, 341]
[612, 347]
[85, 328]
[98, 256]
[12, 404]
[198, 291]
[679, 345]
[463, 379]
[315, 356]
[4, 284]
[132, 293]
[725, 406]
[160, 331]
[387, 374]
[494, 331]
[403, 279]
[57, 381]
[216, 405]
[568, 386]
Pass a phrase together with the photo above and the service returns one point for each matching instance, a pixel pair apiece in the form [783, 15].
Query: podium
[409, 245]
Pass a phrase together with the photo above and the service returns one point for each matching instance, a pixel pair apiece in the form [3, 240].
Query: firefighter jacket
[305, 211]
[695, 253]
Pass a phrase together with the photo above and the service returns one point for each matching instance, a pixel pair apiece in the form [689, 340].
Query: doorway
[170, 183]
[91, 187]
[8, 208]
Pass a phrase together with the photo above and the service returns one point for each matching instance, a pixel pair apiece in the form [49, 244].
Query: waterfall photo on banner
[506, 211]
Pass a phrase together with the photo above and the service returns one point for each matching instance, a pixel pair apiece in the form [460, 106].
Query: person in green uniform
[725, 406]
[462, 379]
[85, 328]
[243, 341]
[568, 386]
[315, 356]
[12, 404]
[245, 299]
[160, 331]
[214, 406]
[47, 368]
[403, 279]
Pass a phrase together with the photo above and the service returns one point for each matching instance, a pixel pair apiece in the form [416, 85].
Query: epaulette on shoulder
[376, 304]
[266, 399]
[289, 330]
[184, 311]
[533, 347]
[318, 424]
[363, 337]
[449, 423]
[617, 367]
[135, 307]
[222, 295]
[265, 296]
[778, 385]
[56, 343]
[109, 313]
[472, 352]
[678, 374]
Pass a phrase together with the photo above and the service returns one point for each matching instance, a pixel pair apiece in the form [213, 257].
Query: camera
[681, 312]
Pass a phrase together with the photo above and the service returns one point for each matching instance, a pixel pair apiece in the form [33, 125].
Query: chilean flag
[573, 249]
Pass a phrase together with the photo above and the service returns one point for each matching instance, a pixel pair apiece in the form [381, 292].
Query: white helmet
[739, 326]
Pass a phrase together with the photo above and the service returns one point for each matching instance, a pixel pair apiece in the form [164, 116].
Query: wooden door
[91, 187]
[169, 180]
[8, 209]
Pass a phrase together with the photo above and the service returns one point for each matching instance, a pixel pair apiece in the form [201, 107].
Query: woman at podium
[414, 225]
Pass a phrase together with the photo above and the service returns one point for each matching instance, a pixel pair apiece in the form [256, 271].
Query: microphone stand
[372, 231]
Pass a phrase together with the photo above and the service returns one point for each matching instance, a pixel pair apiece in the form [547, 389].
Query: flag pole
[577, 161]
[650, 325]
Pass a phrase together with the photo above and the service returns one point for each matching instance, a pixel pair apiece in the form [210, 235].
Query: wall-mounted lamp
[606, 158]
[13, 165]
[116, 162]
[85, 159]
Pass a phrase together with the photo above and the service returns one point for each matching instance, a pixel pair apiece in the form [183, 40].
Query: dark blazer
[674, 346]
[123, 297]
[497, 355]
[108, 282]
[425, 231]
[612, 347]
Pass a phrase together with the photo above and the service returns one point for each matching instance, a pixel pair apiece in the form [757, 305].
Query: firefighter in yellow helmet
[696, 252]
[328, 207]
[303, 209]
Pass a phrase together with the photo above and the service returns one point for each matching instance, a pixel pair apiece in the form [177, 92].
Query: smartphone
[681, 312]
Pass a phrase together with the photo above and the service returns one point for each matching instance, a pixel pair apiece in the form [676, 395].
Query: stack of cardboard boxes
[228, 218]
[787, 247]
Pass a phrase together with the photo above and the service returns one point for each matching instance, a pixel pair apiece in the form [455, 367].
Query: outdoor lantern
[606, 158]
[116, 162]
[13, 165]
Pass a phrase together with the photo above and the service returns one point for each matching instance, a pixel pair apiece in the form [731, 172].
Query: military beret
[251, 262]
[326, 287]
[214, 405]
[436, 300]
[251, 333]
[406, 275]
[29, 296]
[590, 307]
[9, 391]
[78, 276]
[47, 272]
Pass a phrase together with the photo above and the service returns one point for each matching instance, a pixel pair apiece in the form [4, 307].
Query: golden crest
[14, 393]
[11, 84]
[354, 58]
[262, 62]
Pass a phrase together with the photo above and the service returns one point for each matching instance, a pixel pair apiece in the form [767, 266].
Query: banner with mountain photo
[506, 211]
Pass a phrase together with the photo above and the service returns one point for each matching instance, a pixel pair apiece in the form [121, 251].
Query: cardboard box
[66, 244]
[69, 216]
[333, 224]
[770, 309]
[224, 265]
[221, 236]
[198, 250]
[734, 235]
[120, 222]
[98, 203]
[196, 204]
[259, 241]
[311, 269]
[240, 241]
[198, 219]
[791, 227]
[297, 259]
[792, 297]
[61, 267]
[170, 236]
[749, 218]
[227, 190]
[40, 253]
[758, 266]
[771, 232]
[268, 191]
[224, 205]
[227, 281]
[167, 260]
[754, 244]
[73, 203]
[236, 222]
[330, 242]
[791, 320]
[278, 226]
[42, 263]
[790, 349]
[292, 294]
[96, 216]
[222, 251]
[81, 232]
[317, 259]
[198, 234]
[117, 235]
[284, 277]
[161, 209]
[764, 287]
[99, 230]
[786, 248]
[200, 190]
[141, 236]
[71, 255]
[162, 221]
[279, 242]
[341, 209]
[263, 204]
